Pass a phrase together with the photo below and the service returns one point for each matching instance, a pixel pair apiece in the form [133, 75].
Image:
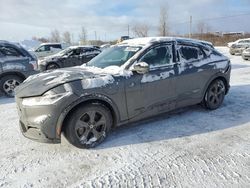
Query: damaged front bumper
[39, 122]
[35, 133]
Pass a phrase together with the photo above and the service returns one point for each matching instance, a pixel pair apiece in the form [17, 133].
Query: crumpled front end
[39, 115]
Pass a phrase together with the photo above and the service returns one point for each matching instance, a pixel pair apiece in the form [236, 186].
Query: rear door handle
[132, 84]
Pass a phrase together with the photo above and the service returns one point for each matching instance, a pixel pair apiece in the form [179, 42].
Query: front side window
[158, 56]
[75, 52]
[43, 49]
[10, 52]
[190, 53]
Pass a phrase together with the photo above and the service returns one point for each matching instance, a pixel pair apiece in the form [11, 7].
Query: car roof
[4, 42]
[50, 43]
[243, 39]
[150, 40]
[85, 46]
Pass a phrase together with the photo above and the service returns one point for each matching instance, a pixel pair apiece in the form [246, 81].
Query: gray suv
[130, 81]
[16, 64]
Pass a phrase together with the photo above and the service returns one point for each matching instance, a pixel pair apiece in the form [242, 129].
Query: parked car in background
[47, 49]
[105, 46]
[128, 82]
[246, 54]
[238, 48]
[71, 56]
[16, 64]
[122, 38]
[240, 41]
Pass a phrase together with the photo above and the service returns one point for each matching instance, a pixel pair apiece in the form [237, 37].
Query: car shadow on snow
[185, 122]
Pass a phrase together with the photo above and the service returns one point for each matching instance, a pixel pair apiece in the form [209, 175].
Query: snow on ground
[189, 148]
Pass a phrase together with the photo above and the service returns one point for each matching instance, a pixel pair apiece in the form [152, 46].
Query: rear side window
[56, 46]
[190, 53]
[10, 52]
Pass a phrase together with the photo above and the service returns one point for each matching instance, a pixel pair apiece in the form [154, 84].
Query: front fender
[84, 99]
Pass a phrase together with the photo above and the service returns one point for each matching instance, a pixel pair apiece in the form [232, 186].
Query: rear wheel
[9, 83]
[52, 66]
[88, 126]
[215, 95]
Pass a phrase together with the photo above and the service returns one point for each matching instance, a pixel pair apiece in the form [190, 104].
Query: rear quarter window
[189, 53]
[56, 46]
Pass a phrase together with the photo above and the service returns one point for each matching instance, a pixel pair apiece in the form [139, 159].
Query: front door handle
[132, 84]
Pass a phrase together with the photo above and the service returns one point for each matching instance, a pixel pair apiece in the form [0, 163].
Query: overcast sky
[22, 19]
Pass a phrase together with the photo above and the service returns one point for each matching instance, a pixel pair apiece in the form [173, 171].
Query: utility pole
[190, 27]
[95, 36]
[128, 30]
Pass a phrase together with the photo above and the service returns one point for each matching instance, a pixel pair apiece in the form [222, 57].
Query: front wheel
[215, 95]
[52, 66]
[88, 126]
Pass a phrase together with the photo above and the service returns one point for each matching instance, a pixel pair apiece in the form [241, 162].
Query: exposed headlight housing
[34, 64]
[48, 98]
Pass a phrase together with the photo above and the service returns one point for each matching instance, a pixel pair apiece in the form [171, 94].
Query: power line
[209, 19]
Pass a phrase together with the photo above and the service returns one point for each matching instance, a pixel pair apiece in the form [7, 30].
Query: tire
[52, 66]
[214, 95]
[9, 83]
[88, 125]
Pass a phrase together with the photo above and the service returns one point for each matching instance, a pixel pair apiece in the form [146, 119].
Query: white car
[239, 42]
[47, 49]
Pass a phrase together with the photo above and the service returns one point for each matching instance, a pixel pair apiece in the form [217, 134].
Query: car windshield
[64, 52]
[114, 56]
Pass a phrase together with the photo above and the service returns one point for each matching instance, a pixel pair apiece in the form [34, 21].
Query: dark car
[72, 56]
[16, 64]
[128, 82]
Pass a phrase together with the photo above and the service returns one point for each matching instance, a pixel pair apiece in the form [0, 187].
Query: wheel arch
[51, 63]
[62, 121]
[13, 73]
[215, 77]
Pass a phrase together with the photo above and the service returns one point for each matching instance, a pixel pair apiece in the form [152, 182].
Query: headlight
[48, 98]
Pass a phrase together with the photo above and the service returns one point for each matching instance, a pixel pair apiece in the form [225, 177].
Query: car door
[43, 51]
[73, 58]
[192, 73]
[88, 54]
[153, 92]
[13, 60]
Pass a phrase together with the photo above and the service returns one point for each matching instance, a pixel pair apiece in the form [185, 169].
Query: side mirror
[141, 67]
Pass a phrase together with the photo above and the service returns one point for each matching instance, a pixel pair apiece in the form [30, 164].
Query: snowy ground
[191, 148]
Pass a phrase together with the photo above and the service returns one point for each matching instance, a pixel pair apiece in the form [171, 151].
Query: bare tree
[67, 37]
[83, 36]
[163, 22]
[55, 36]
[41, 39]
[140, 30]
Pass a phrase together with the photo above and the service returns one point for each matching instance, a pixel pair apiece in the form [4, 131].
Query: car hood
[37, 85]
